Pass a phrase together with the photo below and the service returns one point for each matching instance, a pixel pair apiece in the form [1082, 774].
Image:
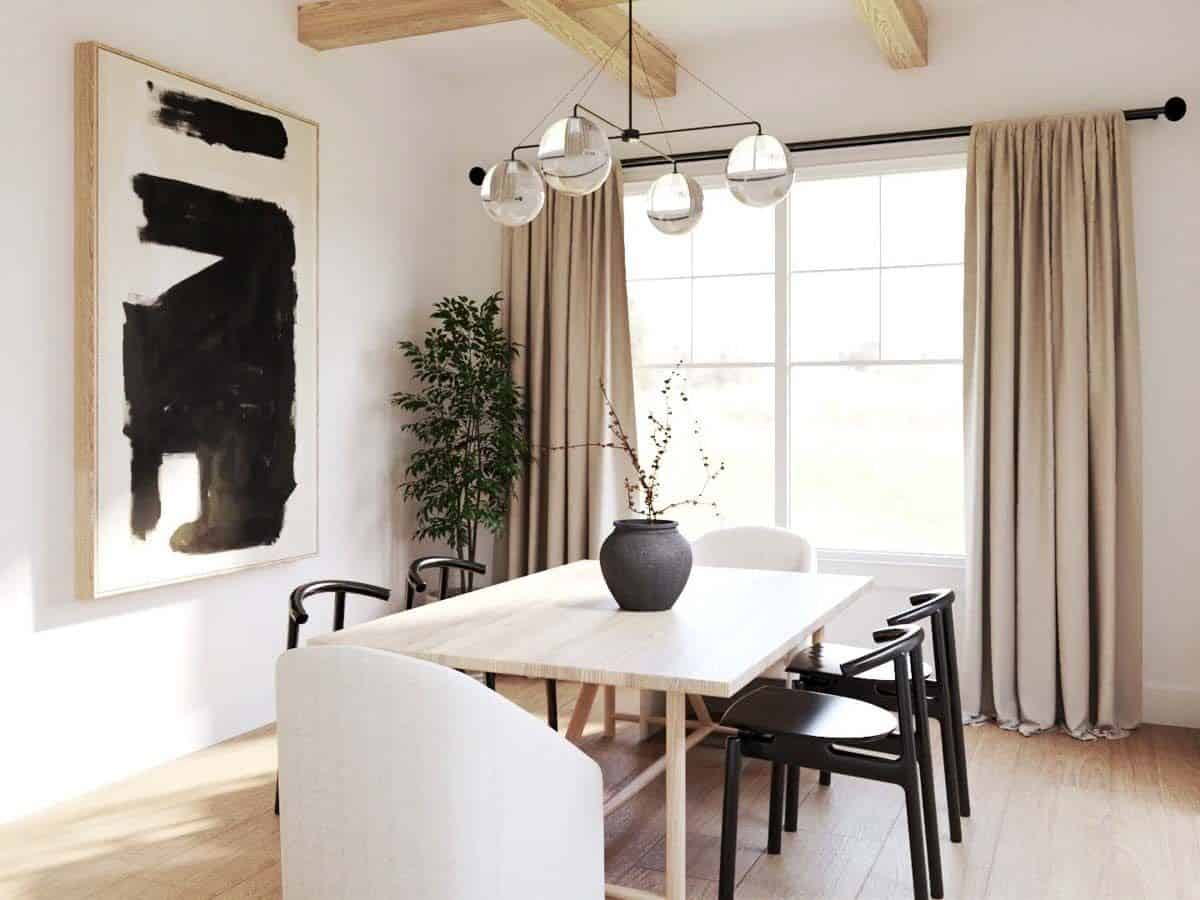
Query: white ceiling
[689, 27]
[688, 22]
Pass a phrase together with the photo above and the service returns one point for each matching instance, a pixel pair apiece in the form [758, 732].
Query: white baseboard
[1165, 704]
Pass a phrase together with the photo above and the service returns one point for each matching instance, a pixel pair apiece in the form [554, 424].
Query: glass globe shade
[512, 193]
[675, 203]
[574, 156]
[759, 171]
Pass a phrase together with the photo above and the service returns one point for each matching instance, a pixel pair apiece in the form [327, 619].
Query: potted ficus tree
[468, 418]
[645, 560]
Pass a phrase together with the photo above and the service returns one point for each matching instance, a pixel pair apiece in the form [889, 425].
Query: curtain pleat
[564, 278]
[1053, 630]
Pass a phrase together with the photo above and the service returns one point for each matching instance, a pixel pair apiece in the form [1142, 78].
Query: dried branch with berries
[643, 492]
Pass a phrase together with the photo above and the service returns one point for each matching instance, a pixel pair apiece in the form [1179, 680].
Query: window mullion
[783, 269]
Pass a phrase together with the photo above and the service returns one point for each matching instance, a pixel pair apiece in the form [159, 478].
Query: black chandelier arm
[595, 115]
[757, 126]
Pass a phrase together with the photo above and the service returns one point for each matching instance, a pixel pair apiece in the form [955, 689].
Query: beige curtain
[1053, 630]
[564, 277]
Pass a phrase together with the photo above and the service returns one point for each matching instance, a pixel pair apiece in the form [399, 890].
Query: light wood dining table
[727, 628]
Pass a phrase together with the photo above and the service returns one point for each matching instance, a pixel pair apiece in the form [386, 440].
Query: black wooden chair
[447, 564]
[791, 727]
[818, 669]
[298, 615]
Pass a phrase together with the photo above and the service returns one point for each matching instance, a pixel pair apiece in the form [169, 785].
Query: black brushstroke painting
[221, 123]
[210, 367]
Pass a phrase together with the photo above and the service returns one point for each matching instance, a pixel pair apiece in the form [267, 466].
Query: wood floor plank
[1022, 864]
[1140, 854]
[965, 866]
[655, 881]
[1177, 759]
[813, 864]
[1052, 818]
[265, 885]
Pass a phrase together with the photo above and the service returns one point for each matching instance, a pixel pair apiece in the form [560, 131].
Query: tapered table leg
[676, 796]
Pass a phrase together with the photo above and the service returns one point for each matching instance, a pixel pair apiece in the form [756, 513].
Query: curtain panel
[564, 278]
[1053, 628]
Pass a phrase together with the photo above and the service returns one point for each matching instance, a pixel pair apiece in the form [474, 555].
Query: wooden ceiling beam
[900, 30]
[330, 24]
[593, 32]
[591, 27]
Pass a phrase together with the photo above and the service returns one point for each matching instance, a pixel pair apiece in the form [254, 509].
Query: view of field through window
[872, 363]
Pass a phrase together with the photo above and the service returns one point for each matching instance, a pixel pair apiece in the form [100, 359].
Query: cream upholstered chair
[756, 547]
[401, 778]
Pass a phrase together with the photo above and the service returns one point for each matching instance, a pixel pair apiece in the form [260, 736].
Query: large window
[822, 342]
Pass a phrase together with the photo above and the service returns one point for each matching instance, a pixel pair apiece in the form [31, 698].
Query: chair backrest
[896, 642]
[400, 778]
[298, 615]
[924, 605]
[417, 585]
[902, 648]
[755, 547]
[937, 607]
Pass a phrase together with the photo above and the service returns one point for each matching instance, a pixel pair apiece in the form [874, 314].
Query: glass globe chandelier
[574, 158]
[759, 170]
[675, 203]
[512, 193]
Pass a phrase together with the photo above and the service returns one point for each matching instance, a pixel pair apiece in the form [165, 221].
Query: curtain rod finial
[1175, 109]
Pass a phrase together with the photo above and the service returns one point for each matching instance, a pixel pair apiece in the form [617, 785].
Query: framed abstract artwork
[196, 358]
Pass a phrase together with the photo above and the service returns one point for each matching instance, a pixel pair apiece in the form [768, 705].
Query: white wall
[91, 691]
[998, 60]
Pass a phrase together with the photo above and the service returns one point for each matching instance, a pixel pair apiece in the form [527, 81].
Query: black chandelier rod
[1174, 109]
[638, 135]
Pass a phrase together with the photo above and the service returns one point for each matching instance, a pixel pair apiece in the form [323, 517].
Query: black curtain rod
[1174, 110]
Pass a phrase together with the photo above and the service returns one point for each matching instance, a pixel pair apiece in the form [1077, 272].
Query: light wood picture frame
[196, 327]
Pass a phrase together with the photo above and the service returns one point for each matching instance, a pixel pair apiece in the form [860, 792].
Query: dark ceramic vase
[646, 564]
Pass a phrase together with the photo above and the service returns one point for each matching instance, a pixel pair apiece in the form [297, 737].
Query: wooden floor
[1053, 817]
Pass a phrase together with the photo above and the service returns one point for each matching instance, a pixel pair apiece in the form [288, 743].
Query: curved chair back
[298, 615]
[896, 642]
[417, 585]
[755, 547]
[925, 605]
[390, 795]
[902, 648]
[937, 606]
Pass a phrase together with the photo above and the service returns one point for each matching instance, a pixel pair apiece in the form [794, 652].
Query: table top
[728, 626]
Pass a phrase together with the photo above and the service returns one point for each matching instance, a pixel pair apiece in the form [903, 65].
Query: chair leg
[552, 703]
[954, 714]
[277, 793]
[916, 843]
[928, 797]
[489, 678]
[825, 778]
[950, 767]
[960, 753]
[729, 817]
[775, 818]
[791, 817]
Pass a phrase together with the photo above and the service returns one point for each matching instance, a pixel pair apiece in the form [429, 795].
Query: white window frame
[638, 182]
